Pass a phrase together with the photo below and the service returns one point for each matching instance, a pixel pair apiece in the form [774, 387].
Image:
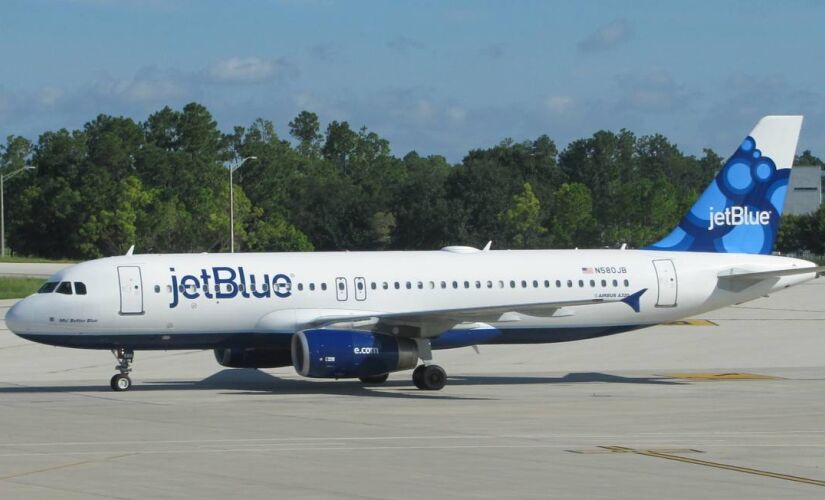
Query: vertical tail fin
[739, 212]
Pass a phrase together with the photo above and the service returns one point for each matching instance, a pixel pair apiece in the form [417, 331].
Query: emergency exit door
[341, 289]
[131, 290]
[668, 284]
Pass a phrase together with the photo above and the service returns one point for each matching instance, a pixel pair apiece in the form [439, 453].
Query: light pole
[3, 178]
[232, 202]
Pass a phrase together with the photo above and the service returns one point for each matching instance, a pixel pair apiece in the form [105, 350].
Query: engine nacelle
[256, 357]
[350, 353]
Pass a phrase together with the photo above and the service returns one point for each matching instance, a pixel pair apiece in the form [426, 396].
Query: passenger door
[668, 284]
[131, 290]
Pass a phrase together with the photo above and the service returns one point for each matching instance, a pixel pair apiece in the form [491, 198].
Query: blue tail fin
[739, 212]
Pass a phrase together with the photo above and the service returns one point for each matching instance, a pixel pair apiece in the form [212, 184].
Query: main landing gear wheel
[429, 377]
[375, 379]
[121, 381]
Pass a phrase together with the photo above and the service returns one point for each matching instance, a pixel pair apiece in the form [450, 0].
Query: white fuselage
[171, 301]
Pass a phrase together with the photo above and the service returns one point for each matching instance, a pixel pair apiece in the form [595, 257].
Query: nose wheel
[121, 381]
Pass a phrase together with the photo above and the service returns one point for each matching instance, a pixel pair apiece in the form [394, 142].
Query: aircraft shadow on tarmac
[248, 381]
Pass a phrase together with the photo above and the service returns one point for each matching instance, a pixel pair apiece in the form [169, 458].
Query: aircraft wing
[433, 322]
[738, 275]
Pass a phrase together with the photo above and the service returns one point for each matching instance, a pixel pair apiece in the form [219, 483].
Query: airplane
[368, 314]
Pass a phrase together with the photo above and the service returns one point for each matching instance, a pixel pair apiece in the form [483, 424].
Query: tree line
[162, 185]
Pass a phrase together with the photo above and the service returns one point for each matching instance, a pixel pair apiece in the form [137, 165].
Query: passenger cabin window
[323, 286]
[80, 288]
[48, 287]
[157, 288]
[65, 287]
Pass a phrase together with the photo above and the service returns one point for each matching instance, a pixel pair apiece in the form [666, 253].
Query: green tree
[306, 129]
[572, 223]
[521, 219]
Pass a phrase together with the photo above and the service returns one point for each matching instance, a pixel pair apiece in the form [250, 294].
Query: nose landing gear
[121, 381]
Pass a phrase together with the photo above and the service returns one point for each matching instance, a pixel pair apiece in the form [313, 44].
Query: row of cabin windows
[409, 285]
[64, 287]
[242, 288]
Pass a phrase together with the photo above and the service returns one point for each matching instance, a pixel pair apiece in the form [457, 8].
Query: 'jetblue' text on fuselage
[228, 283]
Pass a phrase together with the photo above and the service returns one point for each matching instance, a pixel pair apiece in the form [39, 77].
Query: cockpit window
[79, 288]
[65, 287]
[48, 287]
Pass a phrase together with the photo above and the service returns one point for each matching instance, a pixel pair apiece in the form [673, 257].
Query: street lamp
[3, 178]
[232, 202]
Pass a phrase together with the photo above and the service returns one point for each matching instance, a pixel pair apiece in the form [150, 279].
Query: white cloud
[607, 36]
[247, 70]
[651, 92]
[49, 96]
[423, 110]
[404, 45]
[559, 103]
[456, 114]
[142, 90]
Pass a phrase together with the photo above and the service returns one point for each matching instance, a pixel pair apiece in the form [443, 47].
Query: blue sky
[435, 76]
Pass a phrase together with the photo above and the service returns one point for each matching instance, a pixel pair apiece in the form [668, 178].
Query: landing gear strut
[121, 381]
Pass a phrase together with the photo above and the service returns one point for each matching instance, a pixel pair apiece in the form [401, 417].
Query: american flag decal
[587, 270]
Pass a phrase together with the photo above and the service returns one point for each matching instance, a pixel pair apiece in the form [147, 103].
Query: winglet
[633, 299]
[131, 250]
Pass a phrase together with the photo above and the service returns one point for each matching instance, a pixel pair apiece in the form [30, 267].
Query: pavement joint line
[718, 465]
[47, 469]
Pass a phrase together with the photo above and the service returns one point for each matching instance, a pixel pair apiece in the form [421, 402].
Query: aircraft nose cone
[16, 317]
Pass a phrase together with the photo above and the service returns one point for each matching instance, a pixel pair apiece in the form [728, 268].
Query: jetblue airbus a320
[367, 314]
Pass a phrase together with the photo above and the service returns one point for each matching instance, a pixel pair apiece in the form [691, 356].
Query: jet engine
[257, 357]
[331, 353]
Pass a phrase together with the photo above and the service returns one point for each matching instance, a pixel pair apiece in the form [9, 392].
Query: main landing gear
[428, 377]
[121, 381]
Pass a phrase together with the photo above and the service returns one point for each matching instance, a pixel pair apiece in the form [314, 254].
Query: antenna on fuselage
[131, 250]
[487, 246]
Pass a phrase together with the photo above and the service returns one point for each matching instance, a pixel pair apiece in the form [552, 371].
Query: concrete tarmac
[619, 417]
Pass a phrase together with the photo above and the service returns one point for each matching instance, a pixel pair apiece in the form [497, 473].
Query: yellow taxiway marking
[696, 461]
[692, 322]
[722, 376]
